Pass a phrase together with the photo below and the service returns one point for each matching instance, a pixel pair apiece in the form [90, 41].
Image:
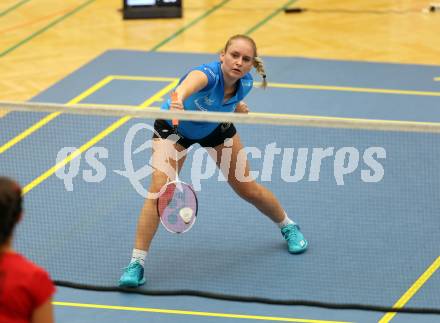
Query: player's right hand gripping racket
[177, 204]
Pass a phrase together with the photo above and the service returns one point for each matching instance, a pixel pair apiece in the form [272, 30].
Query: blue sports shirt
[210, 98]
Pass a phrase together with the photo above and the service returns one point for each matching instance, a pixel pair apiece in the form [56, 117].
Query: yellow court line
[94, 140]
[349, 89]
[194, 313]
[52, 116]
[412, 290]
[144, 78]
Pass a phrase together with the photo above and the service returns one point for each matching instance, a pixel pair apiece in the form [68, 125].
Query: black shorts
[215, 138]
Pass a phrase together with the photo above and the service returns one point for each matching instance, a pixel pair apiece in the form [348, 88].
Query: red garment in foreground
[23, 287]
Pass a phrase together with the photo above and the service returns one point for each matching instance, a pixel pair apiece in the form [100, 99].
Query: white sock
[285, 222]
[138, 255]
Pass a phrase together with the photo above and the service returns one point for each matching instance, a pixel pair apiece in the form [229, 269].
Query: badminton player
[218, 86]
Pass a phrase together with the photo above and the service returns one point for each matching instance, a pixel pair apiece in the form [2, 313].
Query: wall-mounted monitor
[140, 9]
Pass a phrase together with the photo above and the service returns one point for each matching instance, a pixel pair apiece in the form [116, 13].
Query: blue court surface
[373, 231]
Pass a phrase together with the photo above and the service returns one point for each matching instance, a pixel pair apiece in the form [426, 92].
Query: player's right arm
[193, 82]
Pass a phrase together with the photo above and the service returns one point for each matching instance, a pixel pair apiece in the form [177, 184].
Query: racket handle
[174, 98]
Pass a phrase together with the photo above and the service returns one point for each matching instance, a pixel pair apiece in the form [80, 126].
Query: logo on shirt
[208, 101]
[199, 106]
[247, 83]
[210, 71]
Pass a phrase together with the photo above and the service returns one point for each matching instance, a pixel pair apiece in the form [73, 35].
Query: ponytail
[259, 66]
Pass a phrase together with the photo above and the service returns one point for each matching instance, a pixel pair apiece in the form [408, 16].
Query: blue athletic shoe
[295, 240]
[133, 275]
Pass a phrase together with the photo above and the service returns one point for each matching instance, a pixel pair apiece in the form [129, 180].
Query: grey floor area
[369, 242]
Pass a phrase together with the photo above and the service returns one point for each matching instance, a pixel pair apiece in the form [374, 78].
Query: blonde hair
[258, 62]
